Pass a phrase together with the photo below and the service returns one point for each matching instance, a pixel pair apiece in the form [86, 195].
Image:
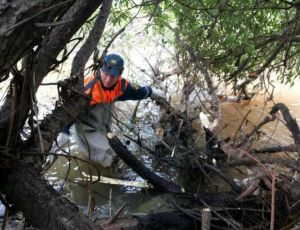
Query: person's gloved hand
[158, 96]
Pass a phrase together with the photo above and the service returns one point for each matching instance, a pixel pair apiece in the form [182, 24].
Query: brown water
[276, 132]
[234, 125]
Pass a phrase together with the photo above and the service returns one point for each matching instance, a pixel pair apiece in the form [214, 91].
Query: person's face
[108, 80]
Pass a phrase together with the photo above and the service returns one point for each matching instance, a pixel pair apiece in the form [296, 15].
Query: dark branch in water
[266, 160]
[157, 181]
[228, 180]
[275, 149]
[256, 128]
[291, 123]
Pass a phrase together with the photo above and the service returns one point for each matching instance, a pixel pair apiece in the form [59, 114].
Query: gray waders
[91, 127]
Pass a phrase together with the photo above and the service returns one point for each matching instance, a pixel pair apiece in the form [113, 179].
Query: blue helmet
[113, 64]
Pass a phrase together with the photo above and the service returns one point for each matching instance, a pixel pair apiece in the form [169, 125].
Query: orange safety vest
[101, 95]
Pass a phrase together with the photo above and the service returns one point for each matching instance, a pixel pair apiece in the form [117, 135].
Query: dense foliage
[232, 38]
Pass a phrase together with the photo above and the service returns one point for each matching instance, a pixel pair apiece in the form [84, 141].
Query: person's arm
[135, 93]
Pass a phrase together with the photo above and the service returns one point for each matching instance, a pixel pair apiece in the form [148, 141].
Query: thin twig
[12, 115]
[68, 172]
[5, 219]
[115, 216]
[273, 200]
[266, 120]
[186, 211]
[35, 110]
[29, 154]
[110, 198]
[240, 126]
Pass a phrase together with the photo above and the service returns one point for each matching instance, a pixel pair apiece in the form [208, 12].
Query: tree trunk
[21, 182]
[91, 43]
[46, 55]
[42, 206]
[18, 33]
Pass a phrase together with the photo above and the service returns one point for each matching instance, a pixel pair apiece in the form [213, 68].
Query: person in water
[104, 87]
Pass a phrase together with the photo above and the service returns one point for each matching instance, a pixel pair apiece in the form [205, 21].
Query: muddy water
[110, 197]
[256, 109]
[234, 125]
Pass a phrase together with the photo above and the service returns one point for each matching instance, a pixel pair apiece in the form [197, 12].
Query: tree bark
[18, 33]
[47, 52]
[90, 44]
[21, 182]
[42, 206]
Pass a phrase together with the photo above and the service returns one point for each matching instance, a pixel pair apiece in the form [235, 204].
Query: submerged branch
[265, 160]
[275, 149]
[291, 123]
[139, 168]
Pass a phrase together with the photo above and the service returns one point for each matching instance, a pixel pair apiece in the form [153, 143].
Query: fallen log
[157, 181]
